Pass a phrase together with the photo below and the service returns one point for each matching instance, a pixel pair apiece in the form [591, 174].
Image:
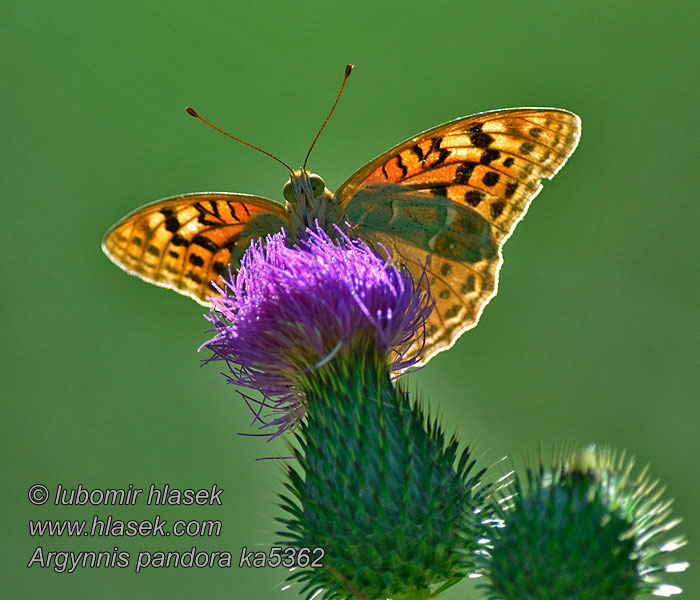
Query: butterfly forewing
[448, 199]
[187, 242]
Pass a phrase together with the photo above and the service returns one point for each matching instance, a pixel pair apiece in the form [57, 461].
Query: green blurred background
[592, 338]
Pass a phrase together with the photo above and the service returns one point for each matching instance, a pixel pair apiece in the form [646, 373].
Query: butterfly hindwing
[450, 197]
[458, 289]
[187, 242]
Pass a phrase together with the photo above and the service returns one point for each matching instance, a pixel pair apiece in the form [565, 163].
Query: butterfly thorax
[309, 201]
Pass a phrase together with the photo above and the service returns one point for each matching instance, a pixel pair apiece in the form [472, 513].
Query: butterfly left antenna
[348, 70]
[194, 113]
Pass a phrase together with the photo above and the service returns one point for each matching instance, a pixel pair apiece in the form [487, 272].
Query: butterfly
[444, 202]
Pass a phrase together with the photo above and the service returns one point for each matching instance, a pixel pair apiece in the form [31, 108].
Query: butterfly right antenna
[348, 70]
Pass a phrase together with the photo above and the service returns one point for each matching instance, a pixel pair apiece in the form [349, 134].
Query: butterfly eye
[317, 184]
[288, 192]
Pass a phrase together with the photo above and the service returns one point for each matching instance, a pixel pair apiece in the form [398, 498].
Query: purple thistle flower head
[290, 310]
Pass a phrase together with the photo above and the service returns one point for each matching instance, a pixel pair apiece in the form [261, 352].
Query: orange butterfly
[447, 198]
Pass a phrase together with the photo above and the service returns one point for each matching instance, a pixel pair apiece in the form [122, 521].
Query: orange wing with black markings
[451, 196]
[187, 242]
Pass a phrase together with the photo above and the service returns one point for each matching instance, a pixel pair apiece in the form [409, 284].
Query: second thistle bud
[583, 529]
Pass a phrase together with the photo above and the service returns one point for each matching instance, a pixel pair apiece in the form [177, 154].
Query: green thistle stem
[380, 489]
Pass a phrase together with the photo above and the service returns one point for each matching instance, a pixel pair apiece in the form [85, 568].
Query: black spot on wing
[490, 178]
[481, 140]
[232, 210]
[510, 188]
[508, 162]
[469, 285]
[526, 148]
[442, 157]
[418, 151]
[204, 213]
[196, 260]
[497, 208]
[489, 156]
[474, 197]
[464, 172]
[400, 165]
[453, 311]
[205, 243]
[172, 224]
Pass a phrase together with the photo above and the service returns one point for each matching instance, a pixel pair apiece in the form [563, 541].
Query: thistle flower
[289, 310]
[319, 328]
[584, 529]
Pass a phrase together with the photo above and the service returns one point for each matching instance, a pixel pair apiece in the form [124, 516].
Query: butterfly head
[309, 200]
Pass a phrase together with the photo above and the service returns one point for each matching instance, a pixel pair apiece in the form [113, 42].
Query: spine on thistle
[397, 507]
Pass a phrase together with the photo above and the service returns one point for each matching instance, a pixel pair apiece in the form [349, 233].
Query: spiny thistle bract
[397, 507]
[584, 529]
